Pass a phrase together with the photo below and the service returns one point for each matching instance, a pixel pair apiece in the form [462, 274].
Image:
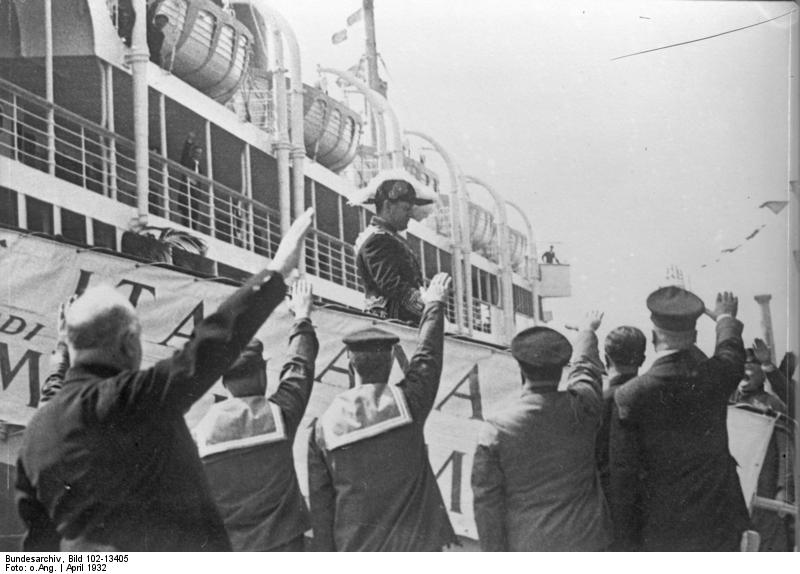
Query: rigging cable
[704, 38]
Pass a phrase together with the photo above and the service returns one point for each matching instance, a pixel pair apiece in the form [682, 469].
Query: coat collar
[675, 362]
[82, 373]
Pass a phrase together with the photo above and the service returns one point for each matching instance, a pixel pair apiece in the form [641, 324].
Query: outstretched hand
[287, 257]
[592, 321]
[302, 299]
[726, 304]
[761, 351]
[438, 289]
[61, 324]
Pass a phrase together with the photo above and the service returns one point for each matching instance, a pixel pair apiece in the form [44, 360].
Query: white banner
[37, 274]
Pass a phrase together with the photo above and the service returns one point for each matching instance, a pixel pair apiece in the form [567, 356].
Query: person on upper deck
[388, 267]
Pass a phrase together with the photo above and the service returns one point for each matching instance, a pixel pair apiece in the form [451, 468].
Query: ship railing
[331, 259]
[102, 161]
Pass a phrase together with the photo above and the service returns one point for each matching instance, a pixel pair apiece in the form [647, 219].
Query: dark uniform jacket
[371, 485]
[534, 480]
[674, 485]
[604, 433]
[390, 272]
[246, 444]
[108, 462]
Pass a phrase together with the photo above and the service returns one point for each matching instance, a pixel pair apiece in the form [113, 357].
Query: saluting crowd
[640, 462]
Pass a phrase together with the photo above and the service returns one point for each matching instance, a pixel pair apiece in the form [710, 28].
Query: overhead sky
[628, 166]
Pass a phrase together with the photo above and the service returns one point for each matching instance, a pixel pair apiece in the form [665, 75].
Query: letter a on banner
[474, 396]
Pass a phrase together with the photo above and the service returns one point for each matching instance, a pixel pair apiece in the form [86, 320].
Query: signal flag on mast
[353, 18]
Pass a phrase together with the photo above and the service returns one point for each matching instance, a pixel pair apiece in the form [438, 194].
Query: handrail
[104, 132]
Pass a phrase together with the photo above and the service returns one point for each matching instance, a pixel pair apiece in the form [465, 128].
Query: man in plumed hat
[534, 480]
[371, 486]
[245, 442]
[388, 267]
[674, 485]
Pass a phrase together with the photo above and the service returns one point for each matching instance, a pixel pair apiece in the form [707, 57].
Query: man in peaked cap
[371, 485]
[388, 267]
[674, 485]
[534, 480]
[246, 442]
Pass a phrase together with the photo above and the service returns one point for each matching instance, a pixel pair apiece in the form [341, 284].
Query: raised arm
[585, 376]
[382, 257]
[297, 374]
[421, 381]
[488, 492]
[321, 497]
[781, 386]
[729, 354]
[178, 382]
[59, 359]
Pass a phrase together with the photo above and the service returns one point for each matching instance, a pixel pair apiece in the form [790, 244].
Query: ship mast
[375, 81]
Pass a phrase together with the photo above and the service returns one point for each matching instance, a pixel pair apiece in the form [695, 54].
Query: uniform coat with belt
[109, 464]
[390, 272]
[370, 481]
[246, 447]
[534, 479]
[674, 485]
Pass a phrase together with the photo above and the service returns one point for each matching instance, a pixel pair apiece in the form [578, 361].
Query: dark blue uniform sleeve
[297, 375]
[321, 497]
[421, 381]
[175, 384]
[725, 369]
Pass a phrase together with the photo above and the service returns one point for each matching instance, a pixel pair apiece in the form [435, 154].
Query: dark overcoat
[534, 479]
[109, 464]
[674, 485]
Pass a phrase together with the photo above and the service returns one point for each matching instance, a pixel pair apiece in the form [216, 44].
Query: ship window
[225, 150]
[123, 104]
[327, 210]
[40, 215]
[445, 262]
[73, 226]
[264, 179]
[476, 284]
[8, 207]
[104, 235]
[431, 262]
[351, 221]
[523, 301]
[494, 290]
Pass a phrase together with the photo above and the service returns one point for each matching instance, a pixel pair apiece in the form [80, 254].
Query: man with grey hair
[108, 463]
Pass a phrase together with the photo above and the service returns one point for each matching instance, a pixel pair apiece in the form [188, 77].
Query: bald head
[102, 327]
